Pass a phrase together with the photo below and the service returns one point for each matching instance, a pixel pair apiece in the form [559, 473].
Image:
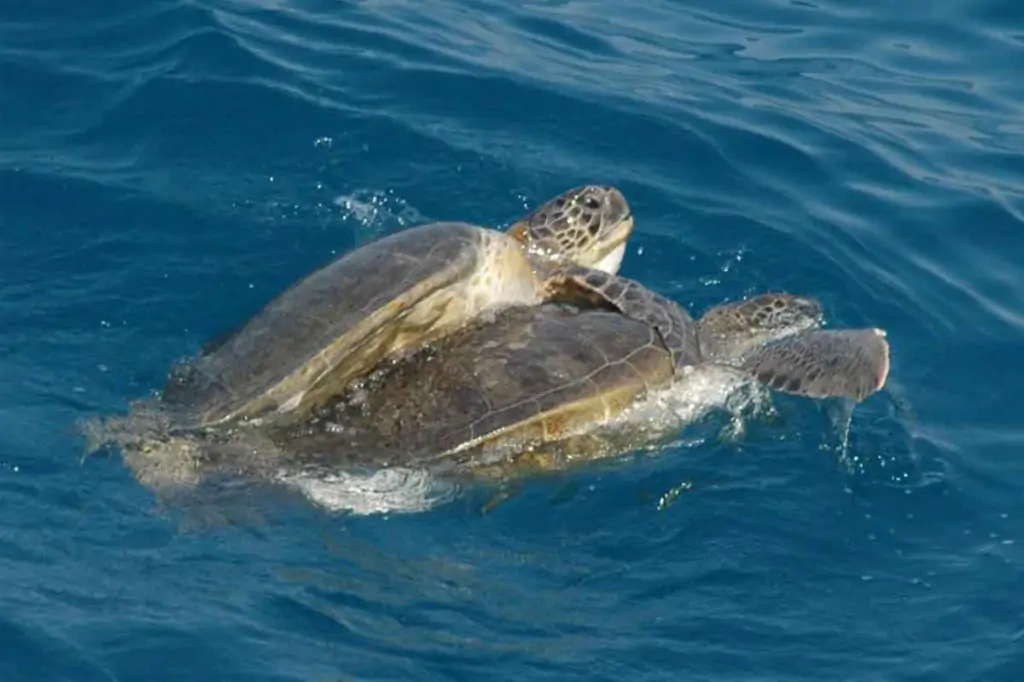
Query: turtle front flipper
[732, 329]
[852, 363]
[582, 285]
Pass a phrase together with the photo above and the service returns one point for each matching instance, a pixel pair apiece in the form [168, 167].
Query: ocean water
[168, 166]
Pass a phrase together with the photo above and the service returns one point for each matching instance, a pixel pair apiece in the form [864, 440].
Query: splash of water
[387, 491]
[692, 396]
[377, 211]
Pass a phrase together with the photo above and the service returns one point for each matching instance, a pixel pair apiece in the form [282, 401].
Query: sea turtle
[512, 389]
[389, 297]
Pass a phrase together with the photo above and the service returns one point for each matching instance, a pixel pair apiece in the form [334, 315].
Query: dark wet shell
[494, 380]
[280, 350]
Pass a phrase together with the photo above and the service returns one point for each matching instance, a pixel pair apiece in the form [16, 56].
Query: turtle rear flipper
[852, 363]
[732, 329]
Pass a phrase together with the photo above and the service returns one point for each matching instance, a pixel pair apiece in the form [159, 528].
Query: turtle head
[586, 226]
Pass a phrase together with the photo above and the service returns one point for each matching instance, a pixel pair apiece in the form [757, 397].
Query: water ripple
[169, 165]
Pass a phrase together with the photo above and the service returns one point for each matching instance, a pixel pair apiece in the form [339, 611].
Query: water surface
[166, 167]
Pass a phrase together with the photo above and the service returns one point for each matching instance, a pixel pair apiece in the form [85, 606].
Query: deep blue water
[167, 166]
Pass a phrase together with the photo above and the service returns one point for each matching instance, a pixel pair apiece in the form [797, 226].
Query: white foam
[387, 491]
[691, 396]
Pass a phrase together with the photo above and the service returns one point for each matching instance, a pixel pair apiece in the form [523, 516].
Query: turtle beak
[613, 244]
[619, 234]
[615, 204]
[624, 229]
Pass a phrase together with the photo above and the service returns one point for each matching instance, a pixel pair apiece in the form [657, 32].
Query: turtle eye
[592, 203]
